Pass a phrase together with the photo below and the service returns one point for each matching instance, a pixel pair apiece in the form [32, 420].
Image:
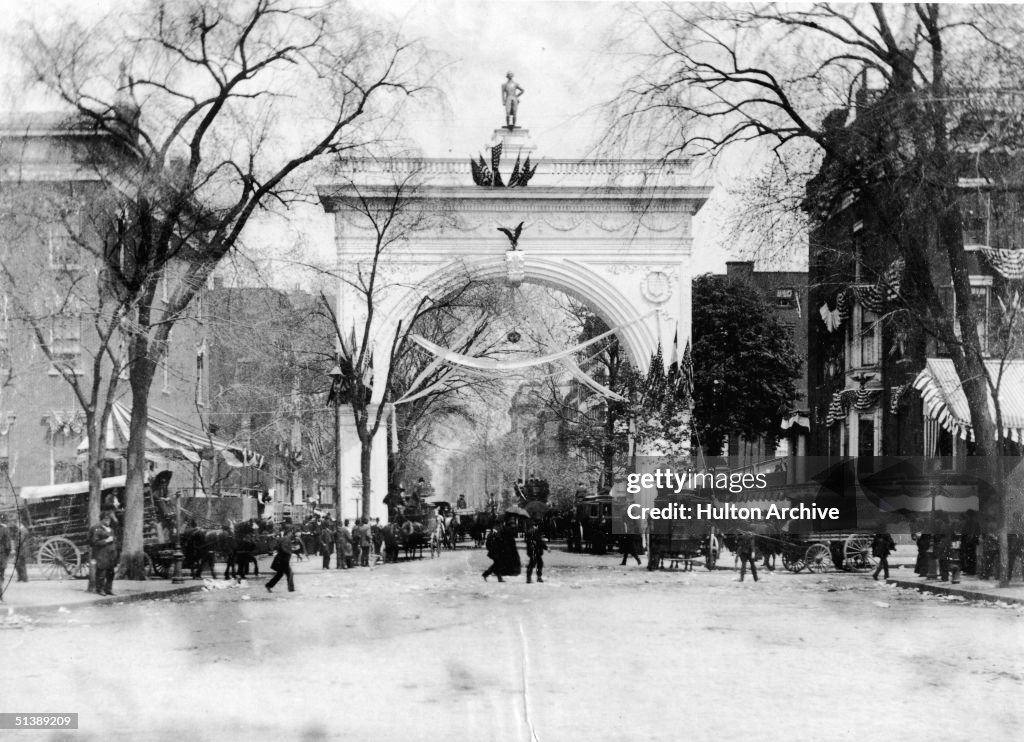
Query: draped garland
[1008, 263]
[874, 297]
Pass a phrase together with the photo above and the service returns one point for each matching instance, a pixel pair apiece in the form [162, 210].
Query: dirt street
[428, 650]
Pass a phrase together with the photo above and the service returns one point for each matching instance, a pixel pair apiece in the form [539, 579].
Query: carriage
[57, 519]
[412, 529]
[678, 541]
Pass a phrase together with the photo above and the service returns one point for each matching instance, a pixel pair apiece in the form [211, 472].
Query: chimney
[741, 270]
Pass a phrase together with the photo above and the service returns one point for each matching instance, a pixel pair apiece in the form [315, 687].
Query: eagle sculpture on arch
[513, 236]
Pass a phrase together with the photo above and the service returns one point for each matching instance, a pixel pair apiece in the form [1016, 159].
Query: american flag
[673, 362]
[513, 179]
[686, 372]
[495, 161]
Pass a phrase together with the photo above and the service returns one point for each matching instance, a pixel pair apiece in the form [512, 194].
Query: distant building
[868, 365]
[52, 238]
[786, 292]
[264, 349]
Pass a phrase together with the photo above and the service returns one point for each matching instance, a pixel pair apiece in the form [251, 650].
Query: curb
[105, 600]
[940, 589]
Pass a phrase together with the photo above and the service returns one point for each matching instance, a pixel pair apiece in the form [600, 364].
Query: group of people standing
[352, 544]
[14, 541]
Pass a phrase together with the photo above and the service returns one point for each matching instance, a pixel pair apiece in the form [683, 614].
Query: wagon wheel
[793, 559]
[156, 567]
[711, 554]
[857, 553]
[59, 558]
[818, 558]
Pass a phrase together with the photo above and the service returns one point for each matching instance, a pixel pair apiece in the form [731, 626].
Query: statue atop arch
[510, 92]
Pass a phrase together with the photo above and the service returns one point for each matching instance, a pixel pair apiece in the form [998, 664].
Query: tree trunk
[142, 369]
[365, 457]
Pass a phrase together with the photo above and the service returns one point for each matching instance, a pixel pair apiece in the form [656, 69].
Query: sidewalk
[40, 596]
[969, 587]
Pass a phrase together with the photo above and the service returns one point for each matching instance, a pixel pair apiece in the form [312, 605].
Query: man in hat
[104, 553]
[22, 549]
[327, 540]
[535, 548]
[881, 546]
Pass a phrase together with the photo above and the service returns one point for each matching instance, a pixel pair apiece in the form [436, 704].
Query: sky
[559, 51]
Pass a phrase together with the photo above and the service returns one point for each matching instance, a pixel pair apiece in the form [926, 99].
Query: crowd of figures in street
[417, 529]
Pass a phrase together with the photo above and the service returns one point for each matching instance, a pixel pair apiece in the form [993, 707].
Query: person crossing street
[536, 545]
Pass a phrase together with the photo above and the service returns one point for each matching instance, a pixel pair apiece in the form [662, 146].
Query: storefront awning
[944, 398]
[173, 439]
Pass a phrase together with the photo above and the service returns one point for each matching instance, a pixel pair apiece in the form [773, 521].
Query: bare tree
[207, 114]
[925, 85]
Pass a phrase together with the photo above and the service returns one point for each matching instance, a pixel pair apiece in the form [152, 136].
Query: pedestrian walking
[747, 552]
[327, 541]
[632, 543]
[502, 551]
[282, 564]
[881, 546]
[536, 545]
[103, 544]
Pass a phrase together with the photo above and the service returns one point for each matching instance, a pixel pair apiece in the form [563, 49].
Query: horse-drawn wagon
[679, 540]
[57, 519]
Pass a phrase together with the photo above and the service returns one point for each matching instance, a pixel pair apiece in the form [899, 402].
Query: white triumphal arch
[615, 233]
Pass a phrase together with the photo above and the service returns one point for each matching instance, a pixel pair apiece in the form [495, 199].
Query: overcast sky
[558, 51]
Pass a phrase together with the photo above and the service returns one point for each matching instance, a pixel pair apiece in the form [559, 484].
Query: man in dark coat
[104, 553]
[535, 548]
[327, 540]
[502, 551]
[344, 541]
[881, 546]
[282, 564]
[747, 551]
[632, 541]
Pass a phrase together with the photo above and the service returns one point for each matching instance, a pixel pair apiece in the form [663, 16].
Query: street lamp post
[335, 400]
[176, 577]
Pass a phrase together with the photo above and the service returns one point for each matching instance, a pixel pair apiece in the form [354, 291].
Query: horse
[201, 545]
[252, 539]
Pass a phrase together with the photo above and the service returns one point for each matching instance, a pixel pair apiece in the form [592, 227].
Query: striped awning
[944, 398]
[174, 439]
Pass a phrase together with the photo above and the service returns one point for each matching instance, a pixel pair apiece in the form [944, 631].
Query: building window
[200, 373]
[974, 213]
[982, 298]
[65, 251]
[785, 298]
[867, 337]
[981, 294]
[66, 471]
[5, 448]
[66, 343]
